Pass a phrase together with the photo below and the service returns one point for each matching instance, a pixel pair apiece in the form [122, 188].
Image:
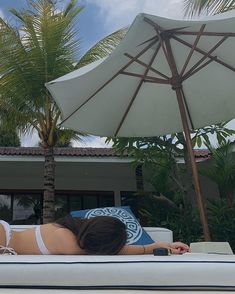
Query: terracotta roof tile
[202, 153]
[68, 151]
[75, 151]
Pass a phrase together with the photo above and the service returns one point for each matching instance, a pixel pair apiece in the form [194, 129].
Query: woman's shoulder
[64, 234]
[59, 234]
[65, 241]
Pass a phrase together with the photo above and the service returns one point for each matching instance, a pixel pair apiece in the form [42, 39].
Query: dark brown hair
[100, 235]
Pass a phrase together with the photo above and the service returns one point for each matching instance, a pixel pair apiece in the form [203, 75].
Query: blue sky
[89, 25]
[101, 17]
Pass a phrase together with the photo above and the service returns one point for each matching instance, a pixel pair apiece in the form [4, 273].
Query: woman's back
[97, 235]
[46, 239]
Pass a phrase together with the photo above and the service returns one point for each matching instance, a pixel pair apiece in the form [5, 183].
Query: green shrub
[222, 222]
[171, 214]
[185, 222]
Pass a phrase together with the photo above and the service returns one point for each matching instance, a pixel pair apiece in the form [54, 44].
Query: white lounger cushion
[188, 271]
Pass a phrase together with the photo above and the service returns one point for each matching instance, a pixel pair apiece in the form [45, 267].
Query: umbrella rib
[112, 78]
[153, 24]
[146, 78]
[212, 34]
[137, 90]
[192, 49]
[145, 65]
[204, 53]
[153, 38]
[176, 29]
[199, 68]
[187, 108]
[157, 29]
[205, 57]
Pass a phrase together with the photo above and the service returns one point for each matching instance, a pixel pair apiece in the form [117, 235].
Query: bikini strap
[40, 243]
[5, 250]
[7, 229]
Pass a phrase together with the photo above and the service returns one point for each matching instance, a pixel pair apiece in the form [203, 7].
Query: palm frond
[64, 137]
[72, 8]
[102, 48]
[198, 7]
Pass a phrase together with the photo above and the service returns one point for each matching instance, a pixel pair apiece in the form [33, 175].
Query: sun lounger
[118, 274]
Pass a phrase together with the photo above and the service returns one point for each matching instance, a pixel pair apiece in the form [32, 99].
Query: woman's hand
[178, 248]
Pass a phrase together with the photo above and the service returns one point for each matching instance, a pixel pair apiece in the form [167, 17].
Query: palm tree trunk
[49, 186]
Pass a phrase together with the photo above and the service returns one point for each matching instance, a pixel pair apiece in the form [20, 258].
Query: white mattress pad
[188, 271]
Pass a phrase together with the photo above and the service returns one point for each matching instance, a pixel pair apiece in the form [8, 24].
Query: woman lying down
[101, 235]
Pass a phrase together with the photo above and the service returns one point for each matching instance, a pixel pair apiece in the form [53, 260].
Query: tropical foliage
[160, 156]
[197, 7]
[171, 203]
[221, 217]
[185, 223]
[43, 45]
[9, 137]
[222, 170]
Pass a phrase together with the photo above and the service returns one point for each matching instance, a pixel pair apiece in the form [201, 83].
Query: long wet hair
[100, 235]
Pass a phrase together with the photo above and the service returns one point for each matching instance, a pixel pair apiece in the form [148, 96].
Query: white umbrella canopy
[112, 111]
[166, 76]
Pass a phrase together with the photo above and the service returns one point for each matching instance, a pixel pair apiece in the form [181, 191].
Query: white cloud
[30, 140]
[118, 13]
[88, 142]
[93, 142]
[2, 14]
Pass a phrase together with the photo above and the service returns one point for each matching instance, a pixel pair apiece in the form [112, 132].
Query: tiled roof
[202, 153]
[66, 151]
[75, 151]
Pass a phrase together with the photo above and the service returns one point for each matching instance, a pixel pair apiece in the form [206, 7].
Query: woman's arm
[176, 248]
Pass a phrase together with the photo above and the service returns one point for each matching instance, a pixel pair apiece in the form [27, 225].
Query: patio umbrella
[166, 76]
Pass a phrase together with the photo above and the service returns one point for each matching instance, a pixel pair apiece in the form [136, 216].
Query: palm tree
[64, 137]
[43, 46]
[197, 7]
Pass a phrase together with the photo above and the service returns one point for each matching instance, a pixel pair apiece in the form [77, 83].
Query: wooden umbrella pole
[197, 185]
[176, 83]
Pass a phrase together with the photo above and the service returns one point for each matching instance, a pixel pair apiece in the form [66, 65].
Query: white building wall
[96, 176]
[89, 176]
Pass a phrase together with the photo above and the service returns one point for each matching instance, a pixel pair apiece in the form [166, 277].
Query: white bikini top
[5, 249]
[40, 243]
[7, 229]
[39, 240]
